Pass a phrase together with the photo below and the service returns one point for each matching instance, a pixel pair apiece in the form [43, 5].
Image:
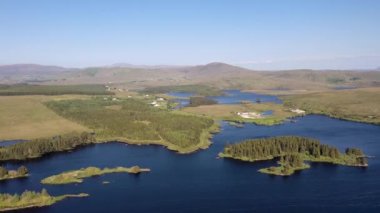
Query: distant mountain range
[29, 69]
[126, 65]
[217, 74]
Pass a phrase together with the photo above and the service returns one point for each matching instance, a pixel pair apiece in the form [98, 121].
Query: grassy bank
[77, 176]
[30, 199]
[356, 105]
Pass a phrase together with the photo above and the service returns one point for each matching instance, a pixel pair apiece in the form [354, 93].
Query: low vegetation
[202, 90]
[356, 105]
[77, 176]
[293, 150]
[21, 172]
[30, 199]
[137, 122]
[39, 147]
[27, 89]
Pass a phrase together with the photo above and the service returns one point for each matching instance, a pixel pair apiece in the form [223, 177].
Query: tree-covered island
[292, 151]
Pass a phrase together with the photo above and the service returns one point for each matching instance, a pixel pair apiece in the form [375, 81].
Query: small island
[287, 166]
[21, 172]
[77, 176]
[292, 152]
[195, 101]
[30, 199]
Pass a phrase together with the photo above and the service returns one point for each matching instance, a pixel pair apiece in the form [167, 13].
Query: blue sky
[261, 34]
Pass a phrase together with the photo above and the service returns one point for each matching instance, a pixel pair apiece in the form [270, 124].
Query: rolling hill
[219, 75]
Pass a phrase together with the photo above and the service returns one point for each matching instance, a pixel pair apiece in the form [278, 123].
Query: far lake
[200, 182]
[230, 97]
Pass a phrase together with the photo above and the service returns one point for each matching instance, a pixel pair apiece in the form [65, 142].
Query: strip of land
[77, 176]
[30, 199]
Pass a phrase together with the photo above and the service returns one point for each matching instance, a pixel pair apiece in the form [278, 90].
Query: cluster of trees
[268, 148]
[354, 151]
[21, 171]
[136, 120]
[39, 147]
[26, 89]
[291, 160]
[26, 195]
[200, 100]
[264, 148]
[25, 199]
[289, 163]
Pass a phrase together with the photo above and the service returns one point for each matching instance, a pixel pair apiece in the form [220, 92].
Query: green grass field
[357, 105]
[26, 117]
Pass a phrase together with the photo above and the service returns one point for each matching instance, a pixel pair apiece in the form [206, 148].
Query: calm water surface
[230, 97]
[201, 183]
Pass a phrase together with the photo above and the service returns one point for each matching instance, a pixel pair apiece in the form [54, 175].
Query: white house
[250, 115]
[298, 111]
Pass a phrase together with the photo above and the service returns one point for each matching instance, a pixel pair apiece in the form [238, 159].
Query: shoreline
[204, 143]
[14, 177]
[222, 155]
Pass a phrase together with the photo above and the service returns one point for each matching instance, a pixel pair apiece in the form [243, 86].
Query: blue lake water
[200, 182]
[236, 96]
[230, 97]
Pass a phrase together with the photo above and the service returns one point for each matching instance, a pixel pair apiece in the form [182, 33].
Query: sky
[259, 34]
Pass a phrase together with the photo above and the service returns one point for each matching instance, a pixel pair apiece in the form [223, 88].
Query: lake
[230, 97]
[200, 182]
